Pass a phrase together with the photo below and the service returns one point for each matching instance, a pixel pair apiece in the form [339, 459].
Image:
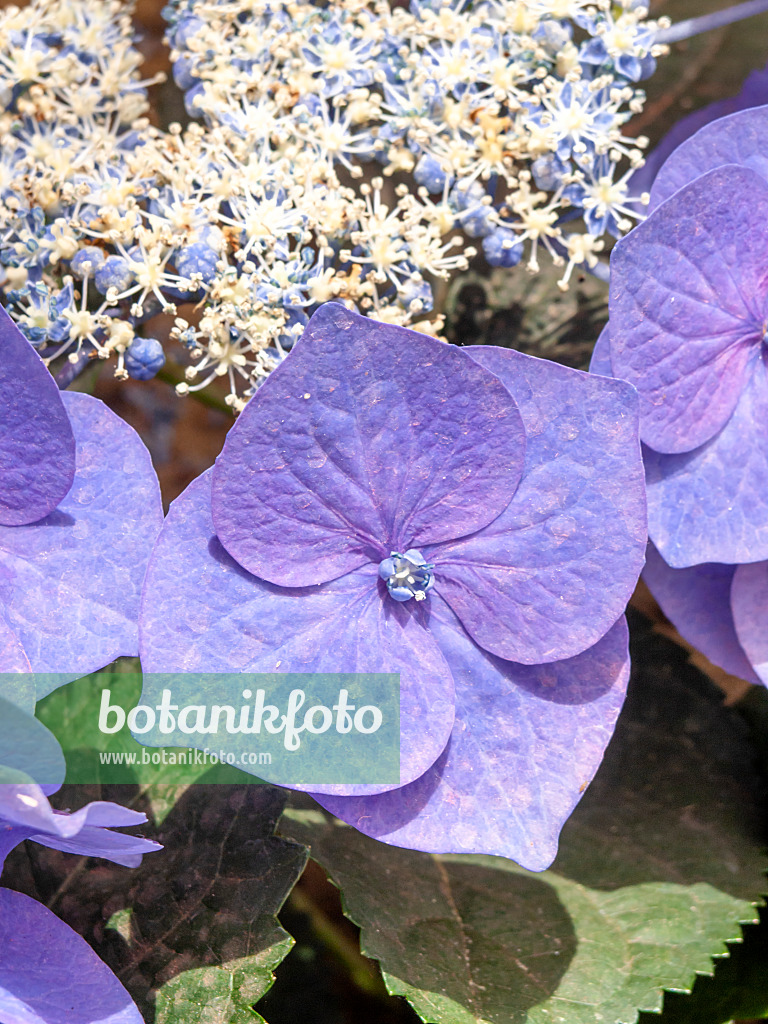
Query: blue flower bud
[144, 357]
[86, 261]
[429, 173]
[502, 248]
[115, 272]
[197, 258]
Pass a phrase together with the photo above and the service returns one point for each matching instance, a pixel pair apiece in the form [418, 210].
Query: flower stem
[171, 374]
[695, 26]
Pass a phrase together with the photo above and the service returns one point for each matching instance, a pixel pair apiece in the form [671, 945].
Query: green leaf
[193, 929]
[658, 866]
[215, 995]
[738, 990]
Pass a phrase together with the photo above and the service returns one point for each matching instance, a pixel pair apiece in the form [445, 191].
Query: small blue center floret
[407, 575]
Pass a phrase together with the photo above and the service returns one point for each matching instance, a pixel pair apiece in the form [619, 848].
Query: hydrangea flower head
[688, 315]
[79, 512]
[475, 523]
[503, 122]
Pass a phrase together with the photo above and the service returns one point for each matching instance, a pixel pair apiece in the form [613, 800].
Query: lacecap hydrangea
[688, 314]
[473, 520]
[353, 152]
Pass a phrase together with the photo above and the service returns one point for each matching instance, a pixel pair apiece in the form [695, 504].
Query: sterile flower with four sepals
[504, 492]
[689, 305]
[688, 315]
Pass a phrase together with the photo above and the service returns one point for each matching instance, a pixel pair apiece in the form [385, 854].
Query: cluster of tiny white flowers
[352, 151]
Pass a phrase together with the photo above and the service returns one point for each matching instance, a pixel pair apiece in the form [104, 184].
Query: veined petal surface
[12, 656]
[688, 306]
[37, 447]
[550, 576]
[736, 139]
[527, 741]
[697, 601]
[70, 584]
[711, 504]
[202, 612]
[368, 438]
[50, 975]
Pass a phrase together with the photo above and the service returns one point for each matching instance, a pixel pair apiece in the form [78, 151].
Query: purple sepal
[26, 805]
[550, 576]
[367, 439]
[687, 304]
[697, 601]
[754, 93]
[711, 504]
[749, 600]
[600, 363]
[37, 449]
[70, 584]
[25, 813]
[12, 656]
[737, 139]
[26, 746]
[118, 847]
[50, 975]
[527, 741]
[202, 612]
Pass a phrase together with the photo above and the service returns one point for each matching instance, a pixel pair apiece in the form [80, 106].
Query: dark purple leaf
[203, 613]
[552, 574]
[367, 439]
[697, 601]
[70, 584]
[37, 449]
